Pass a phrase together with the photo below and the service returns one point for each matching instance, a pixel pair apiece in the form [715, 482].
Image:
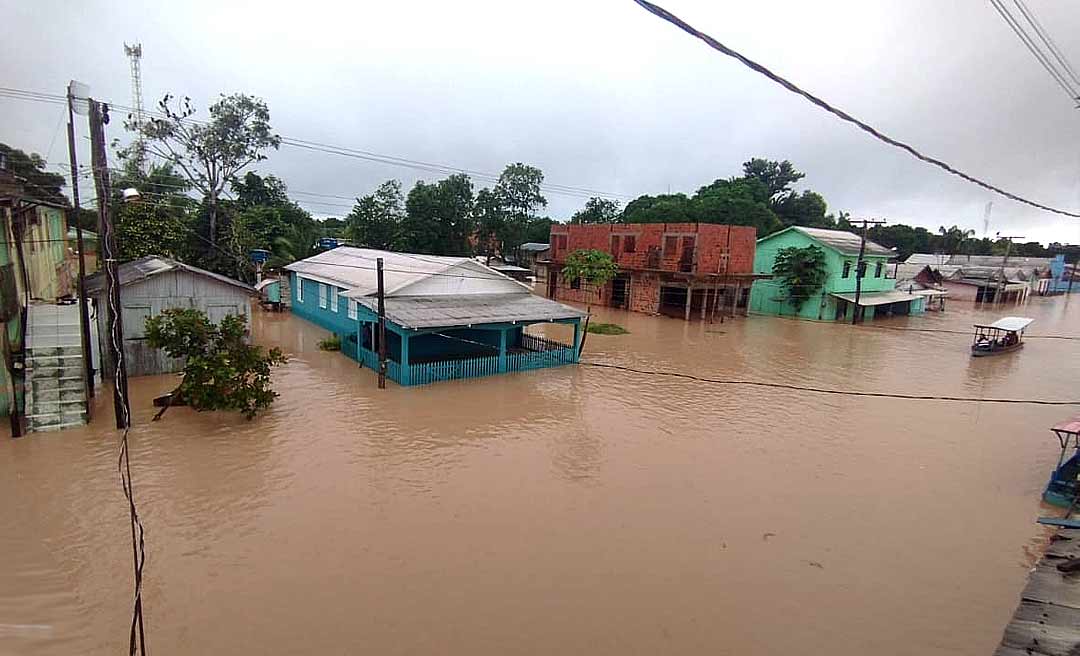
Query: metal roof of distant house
[847, 243]
[152, 265]
[927, 258]
[534, 246]
[419, 312]
[867, 299]
[87, 235]
[355, 270]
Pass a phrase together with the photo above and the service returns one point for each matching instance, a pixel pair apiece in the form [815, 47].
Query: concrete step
[53, 382]
[65, 372]
[71, 393]
[54, 350]
[56, 420]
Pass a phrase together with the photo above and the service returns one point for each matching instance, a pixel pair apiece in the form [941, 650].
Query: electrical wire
[825, 390]
[1051, 45]
[842, 115]
[1033, 48]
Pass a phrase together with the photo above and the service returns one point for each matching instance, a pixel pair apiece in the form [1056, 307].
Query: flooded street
[567, 510]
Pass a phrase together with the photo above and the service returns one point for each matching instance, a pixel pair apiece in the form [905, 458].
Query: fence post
[502, 351]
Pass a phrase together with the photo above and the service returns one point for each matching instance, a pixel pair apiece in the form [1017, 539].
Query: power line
[1046, 39]
[392, 160]
[842, 115]
[825, 390]
[1033, 48]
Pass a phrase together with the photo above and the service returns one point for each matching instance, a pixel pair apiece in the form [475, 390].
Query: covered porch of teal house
[422, 354]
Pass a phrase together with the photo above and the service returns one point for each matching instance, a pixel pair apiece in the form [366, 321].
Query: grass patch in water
[331, 343]
[607, 329]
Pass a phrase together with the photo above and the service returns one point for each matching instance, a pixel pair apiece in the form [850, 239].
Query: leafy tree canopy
[375, 220]
[221, 370]
[595, 267]
[40, 184]
[597, 210]
[776, 176]
[801, 271]
[210, 154]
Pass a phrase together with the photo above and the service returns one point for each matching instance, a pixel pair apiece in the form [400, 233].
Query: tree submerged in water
[221, 370]
[801, 271]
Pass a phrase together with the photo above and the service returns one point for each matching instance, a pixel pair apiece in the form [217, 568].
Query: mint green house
[835, 301]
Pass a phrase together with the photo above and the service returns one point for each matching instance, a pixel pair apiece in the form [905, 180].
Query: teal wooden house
[446, 317]
[835, 300]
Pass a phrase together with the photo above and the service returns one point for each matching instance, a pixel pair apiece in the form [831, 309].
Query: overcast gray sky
[597, 93]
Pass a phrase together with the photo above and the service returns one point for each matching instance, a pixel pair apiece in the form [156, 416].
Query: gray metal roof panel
[843, 241]
[419, 312]
[152, 265]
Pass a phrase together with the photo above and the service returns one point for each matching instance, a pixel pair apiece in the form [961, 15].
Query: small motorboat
[1062, 488]
[1002, 336]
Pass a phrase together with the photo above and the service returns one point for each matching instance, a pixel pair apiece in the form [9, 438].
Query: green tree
[738, 201]
[776, 176]
[221, 370]
[519, 195]
[376, 219]
[597, 210]
[805, 209]
[39, 183]
[666, 208]
[801, 271]
[161, 221]
[208, 154]
[490, 219]
[439, 217]
[595, 268]
[539, 230]
[954, 238]
[266, 218]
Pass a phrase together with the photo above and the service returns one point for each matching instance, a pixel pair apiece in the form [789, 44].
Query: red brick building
[680, 269]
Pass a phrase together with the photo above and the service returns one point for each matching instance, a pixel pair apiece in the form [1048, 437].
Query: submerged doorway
[620, 296]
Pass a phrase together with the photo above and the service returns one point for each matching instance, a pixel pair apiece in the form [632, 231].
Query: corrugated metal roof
[927, 258]
[845, 242]
[419, 312]
[404, 273]
[152, 265]
[867, 299]
[998, 260]
[534, 246]
[1068, 426]
[354, 268]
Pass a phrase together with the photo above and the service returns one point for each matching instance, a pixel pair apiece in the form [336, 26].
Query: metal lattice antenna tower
[134, 53]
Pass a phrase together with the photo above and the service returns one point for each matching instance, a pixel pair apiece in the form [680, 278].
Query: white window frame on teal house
[322, 295]
[299, 289]
[350, 306]
[333, 299]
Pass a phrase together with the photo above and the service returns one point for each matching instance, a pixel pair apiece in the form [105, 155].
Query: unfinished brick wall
[645, 293]
[710, 243]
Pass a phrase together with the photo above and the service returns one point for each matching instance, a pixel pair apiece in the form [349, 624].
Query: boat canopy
[1068, 426]
[1008, 324]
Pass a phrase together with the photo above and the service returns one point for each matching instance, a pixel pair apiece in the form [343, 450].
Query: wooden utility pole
[382, 323]
[84, 315]
[100, 163]
[859, 267]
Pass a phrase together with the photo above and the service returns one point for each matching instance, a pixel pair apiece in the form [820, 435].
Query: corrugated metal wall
[148, 298]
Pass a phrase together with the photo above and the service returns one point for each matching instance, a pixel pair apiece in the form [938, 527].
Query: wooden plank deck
[1047, 622]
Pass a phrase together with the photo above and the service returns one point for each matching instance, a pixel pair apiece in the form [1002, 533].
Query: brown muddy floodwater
[572, 510]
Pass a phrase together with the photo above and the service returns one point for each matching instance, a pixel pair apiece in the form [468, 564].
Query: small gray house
[152, 284]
